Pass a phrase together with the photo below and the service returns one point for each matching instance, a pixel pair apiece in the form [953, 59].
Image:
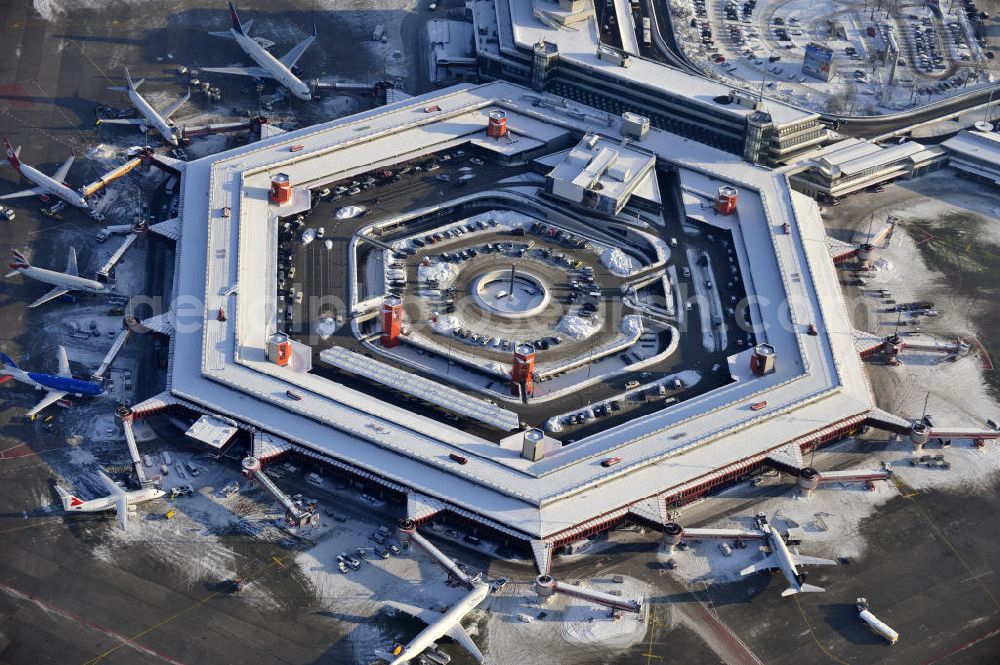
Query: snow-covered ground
[562, 626]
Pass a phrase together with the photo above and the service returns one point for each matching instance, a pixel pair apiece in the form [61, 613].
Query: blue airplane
[56, 386]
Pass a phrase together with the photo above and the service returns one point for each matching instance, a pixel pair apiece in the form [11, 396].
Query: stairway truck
[874, 624]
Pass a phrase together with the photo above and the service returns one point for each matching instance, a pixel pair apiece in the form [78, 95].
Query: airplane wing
[800, 560]
[121, 502]
[51, 397]
[71, 268]
[425, 615]
[256, 72]
[290, 58]
[121, 121]
[34, 191]
[63, 362]
[170, 110]
[54, 293]
[60, 174]
[767, 563]
[458, 634]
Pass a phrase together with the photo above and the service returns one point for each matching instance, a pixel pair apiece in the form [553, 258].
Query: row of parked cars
[502, 343]
[382, 549]
[453, 232]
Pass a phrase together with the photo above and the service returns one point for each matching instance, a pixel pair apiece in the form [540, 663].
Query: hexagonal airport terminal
[455, 285]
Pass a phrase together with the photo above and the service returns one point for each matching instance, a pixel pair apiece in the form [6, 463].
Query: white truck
[878, 627]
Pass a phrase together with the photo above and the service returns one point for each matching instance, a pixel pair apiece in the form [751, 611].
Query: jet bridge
[124, 414]
[293, 514]
[407, 532]
[546, 586]
[110, 177]
[127, 324]
[105, 272]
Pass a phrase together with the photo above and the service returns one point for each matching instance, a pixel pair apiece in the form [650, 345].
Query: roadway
[320, 276]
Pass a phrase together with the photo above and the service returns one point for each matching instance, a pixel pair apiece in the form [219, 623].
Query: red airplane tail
[12, 155]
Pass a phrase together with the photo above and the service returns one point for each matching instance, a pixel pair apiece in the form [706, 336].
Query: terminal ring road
[665, 43]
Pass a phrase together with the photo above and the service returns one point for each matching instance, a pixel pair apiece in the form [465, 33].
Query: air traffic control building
[799, 383]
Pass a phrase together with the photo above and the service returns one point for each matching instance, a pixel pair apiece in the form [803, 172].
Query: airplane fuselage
[61, 279]
[265, 60]
[164, 126]
[53, 187]
[439, 628]
[78, 387]
[107, 503]
[780, 550]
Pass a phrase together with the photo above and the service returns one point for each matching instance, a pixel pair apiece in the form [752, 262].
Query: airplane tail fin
[803, 588]
[8, 362]
[128, 80]
[68, 500]
[18, 262]
[237, 26]
[12, 155]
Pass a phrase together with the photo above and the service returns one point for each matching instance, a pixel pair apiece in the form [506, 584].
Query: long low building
[976, 155]
[811, 389]
[517, 41]
[851, 165]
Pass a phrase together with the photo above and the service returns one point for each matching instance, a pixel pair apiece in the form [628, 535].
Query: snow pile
[577, 327]
[632, 326]
[348, 212]
[444, 273]
[881, 265]
[618, 262]
[444, 324]
[326, 327]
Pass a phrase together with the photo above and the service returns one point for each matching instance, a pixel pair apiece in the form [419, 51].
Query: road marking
[813, 633]
[129, 641]
[652, 628]
[58, 611]
[948, 654]
[954, 550]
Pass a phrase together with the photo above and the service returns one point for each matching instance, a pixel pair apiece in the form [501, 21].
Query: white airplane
[46, 186]
[780, 558]
[56, 386]
[161, 122]
[63, 282]
[268, 66]
[119, 500]
[440, 624]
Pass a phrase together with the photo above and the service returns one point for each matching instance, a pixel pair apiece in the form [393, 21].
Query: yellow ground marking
[813, 633]
[193, 606]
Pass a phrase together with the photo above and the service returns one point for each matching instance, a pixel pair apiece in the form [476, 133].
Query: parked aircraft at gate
[279, 69]
[56, 386]
[161, 122]
[44, 185]
[64, 282]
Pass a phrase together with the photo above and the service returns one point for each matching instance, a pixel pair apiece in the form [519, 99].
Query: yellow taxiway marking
[195, 605]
